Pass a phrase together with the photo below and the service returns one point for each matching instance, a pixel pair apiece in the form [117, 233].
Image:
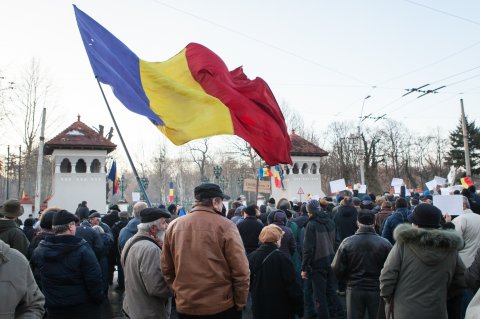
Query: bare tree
[199, 151]
[245, 150]
[30, 97]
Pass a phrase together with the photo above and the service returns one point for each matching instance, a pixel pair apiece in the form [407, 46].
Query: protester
[422, 268]
[10, 232]
[117, 227]
[250, 228]
[288, 244]
[103, 256]
[131, 229]
[112, 216]
[147, 295]
[82, 211]
[275, 292]
[28, 229]
[358, 261]
[207, 270]
[382, 215]
[318, 253]
[398, 217]
[93, 238]
[468, 227]
[472, 273]
[69, 271]
[20, 296]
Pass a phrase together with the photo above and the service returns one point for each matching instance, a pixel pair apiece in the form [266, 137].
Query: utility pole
[465, 141]
[19, 170]
[38, 190]
[8, 172]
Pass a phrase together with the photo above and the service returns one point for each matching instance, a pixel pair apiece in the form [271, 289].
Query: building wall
[70, 189]
[308, 181]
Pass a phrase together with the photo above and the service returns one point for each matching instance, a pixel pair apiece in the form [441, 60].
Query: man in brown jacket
[203, 260]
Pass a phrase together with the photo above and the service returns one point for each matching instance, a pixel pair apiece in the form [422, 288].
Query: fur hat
[11, 208]
[270, 234]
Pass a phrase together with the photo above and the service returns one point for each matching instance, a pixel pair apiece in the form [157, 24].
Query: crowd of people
[387, 256]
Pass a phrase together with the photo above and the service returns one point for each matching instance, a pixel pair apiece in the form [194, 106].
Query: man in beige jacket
[204, 261]
[147, 295]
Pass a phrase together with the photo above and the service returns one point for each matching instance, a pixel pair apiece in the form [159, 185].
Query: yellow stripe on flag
[186, 109]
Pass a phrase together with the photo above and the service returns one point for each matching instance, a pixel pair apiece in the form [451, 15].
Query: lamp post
[240, 183]
[122, 186]
[360, 146]
[204, 180]
[217, 171]
[144, 180]
[223, 183]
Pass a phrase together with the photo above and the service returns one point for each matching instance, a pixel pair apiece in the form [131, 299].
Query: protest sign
[451, 204]
[337, 185]
[397, 182]
[362, 189]
[440, 180]
[431, 185]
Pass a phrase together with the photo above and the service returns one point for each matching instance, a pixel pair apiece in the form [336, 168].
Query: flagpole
[125, 146]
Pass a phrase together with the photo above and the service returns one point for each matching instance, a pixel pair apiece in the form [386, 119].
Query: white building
[303, 177]
[79, 155]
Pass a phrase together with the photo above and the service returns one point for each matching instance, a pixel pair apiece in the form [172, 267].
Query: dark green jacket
[11, 234]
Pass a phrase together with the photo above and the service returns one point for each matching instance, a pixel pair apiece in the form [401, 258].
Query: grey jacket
[146, 291]
[19, 293]
[421, 269]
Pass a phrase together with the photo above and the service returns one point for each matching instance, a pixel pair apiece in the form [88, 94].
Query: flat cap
[208, 190]
[151, 214]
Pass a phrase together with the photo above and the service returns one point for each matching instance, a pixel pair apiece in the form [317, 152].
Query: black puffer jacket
[319, 241]
[345, 223]
[69, 272]
[472, 273]
[360, 258]
[92, 237]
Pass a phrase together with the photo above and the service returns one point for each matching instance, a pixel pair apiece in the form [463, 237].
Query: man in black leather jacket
[359, 260]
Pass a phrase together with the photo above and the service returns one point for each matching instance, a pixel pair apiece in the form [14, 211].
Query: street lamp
[144, 180]
[217, 171]
[204, 180]
[240, 182]
[223, 183]
[123, 186]
[360, 146]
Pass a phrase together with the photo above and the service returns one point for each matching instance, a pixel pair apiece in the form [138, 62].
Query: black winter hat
[208, 190]
[152, 213]
[426, 216]
[172, 208]
[94, 213]
[313, 206]
[64, 217]
[47, 219]
[115, 207]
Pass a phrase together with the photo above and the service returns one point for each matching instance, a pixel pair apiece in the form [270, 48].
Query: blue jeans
[327, 303]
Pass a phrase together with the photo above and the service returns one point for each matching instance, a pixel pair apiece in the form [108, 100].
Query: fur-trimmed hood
[430, 245]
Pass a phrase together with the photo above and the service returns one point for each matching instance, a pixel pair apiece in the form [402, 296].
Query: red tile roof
[302, 147]
[26, 200]
[79, 136]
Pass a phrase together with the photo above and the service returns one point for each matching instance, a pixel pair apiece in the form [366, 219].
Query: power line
[443, 12]
[262, 42]
[432, 64]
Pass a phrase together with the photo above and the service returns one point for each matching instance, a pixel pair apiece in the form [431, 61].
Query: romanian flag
[192, 95]
[264, 172]
[278, 175]
[170, 192]
[466, 182]
[113, 176]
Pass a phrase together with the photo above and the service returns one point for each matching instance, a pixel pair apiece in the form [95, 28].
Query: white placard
[407, 192]
[397, 189]
[362, 189]
[451, 204]
[337, 185]
[431, 185]
[135, 196]
[445, 191]
[440, 180]
[456, 187]
[397, 182]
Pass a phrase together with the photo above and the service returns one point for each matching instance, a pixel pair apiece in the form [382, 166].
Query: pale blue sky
[322, 58]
